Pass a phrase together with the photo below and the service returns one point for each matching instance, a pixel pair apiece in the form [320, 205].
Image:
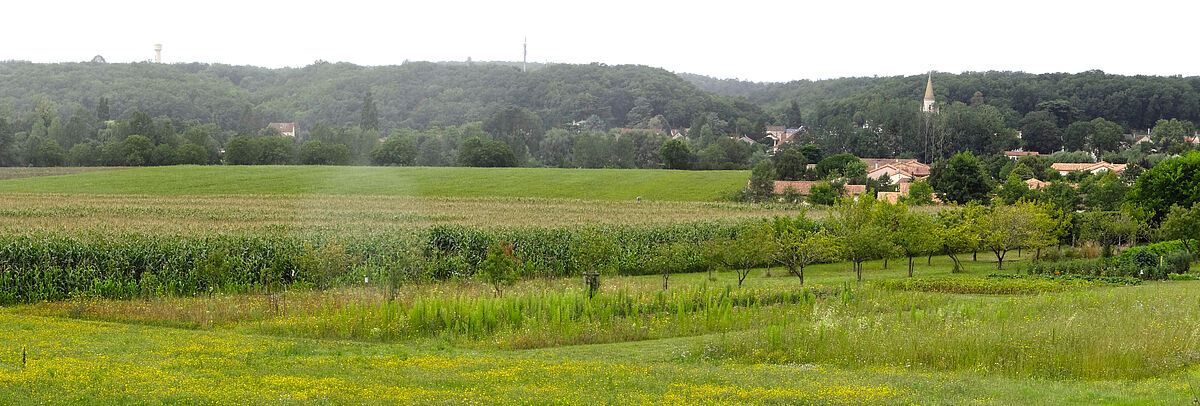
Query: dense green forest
[562, 115]
[1131, 101]
[414, 95]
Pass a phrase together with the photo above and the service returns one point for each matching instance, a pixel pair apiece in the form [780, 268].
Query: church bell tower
[927, 106]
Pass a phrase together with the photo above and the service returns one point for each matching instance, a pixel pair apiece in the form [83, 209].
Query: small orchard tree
[797, 246]
[916, 234]
[595, 253]
[751, 247]
[1183, 224]
[861, 236]
[958, 232]
[665, 259]
[887, 216]
[500, 267]
[1009, 227]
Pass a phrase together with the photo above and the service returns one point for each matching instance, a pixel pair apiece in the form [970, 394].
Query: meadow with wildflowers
[220, 319]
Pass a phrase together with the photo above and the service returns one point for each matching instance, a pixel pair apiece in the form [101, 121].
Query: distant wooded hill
[413, 95]
[1132, 101]
[420, 95]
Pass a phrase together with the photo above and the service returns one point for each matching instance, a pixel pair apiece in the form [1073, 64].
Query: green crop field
[591, 184]
[353, 285]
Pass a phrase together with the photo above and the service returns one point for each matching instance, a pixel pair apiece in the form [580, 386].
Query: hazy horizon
[754, 41]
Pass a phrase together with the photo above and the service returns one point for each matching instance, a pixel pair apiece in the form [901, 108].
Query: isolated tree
[241, 151]
[500, 267]
[916, 234]
[862, 238]
[791, 165]
[486, 153]
[822, 194]
[959, 179]
[1183, 224]
[186, 154]
[368, 113]
[319, 153]
[919, 194]
[137, 150]
[675, 154]
[397, 150]
[762, 182]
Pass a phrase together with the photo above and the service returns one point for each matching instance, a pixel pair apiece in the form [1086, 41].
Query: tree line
[416, 95]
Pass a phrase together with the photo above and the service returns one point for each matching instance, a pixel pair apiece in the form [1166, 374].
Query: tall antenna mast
[524, 54]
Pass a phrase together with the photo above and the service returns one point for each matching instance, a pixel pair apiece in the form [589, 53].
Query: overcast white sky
[753, 40]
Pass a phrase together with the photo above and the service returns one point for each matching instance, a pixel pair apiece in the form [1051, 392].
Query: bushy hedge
[989, 286]
[1135, 267]
[1160, 249]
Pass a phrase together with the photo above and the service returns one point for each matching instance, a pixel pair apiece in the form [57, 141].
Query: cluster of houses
[901, 172]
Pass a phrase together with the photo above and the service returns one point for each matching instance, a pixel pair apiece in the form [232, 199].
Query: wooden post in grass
[592, 280]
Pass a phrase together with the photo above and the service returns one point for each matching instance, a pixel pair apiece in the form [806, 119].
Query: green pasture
[591, 184]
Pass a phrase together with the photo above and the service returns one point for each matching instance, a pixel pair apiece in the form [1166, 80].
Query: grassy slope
[31, 172]
[599, 184]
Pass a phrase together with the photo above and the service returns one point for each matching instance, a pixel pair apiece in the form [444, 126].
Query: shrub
[322, 266]
[1143, 258]
[500, 267]
[1178, 262]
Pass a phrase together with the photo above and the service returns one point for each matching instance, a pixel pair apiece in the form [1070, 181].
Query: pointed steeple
[927, 105]
[929, 87]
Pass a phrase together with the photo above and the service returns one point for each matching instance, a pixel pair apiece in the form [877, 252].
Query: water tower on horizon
[157, 53]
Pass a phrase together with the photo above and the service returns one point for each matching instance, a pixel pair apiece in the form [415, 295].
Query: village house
[285, 129]
[897, 169]
[1134, 139]
[804, 186]
[1035, 184]
[1017, 154]
[1094, 168]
